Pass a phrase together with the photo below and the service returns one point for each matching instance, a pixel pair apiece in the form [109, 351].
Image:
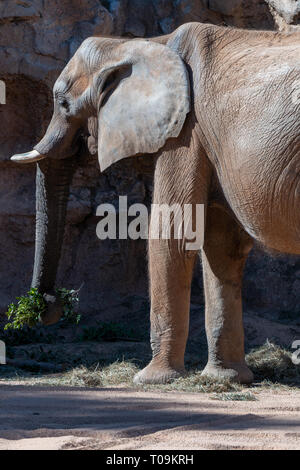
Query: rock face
[286, 13]
[36, 40]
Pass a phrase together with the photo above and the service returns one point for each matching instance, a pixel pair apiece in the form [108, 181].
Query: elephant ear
[146, 105]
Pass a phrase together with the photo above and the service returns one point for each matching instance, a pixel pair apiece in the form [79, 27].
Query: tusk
[28, 157]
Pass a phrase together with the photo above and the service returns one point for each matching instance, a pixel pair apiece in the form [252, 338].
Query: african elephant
[219, 111]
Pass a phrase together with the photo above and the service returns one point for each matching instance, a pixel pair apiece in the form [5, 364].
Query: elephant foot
[158, 374]
[235, 372]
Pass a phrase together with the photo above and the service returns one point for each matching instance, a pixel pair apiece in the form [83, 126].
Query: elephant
[218, 110]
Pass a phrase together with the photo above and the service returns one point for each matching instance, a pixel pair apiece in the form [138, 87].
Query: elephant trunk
[53, 181]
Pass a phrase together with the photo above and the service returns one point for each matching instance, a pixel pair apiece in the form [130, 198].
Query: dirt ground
[39, 417]
[96, 407]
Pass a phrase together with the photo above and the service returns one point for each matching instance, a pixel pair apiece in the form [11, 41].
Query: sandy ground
[35, 417]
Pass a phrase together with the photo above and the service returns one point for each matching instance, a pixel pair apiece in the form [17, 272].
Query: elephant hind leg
[224, 256]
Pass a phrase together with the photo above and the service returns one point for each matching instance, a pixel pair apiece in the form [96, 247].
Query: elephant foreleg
[178, 180]
[171, 275]
[224, 255]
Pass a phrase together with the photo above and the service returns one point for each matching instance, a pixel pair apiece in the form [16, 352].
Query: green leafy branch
[28, 309]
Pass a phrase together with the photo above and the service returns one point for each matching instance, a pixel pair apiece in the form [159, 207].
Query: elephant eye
[64, 103]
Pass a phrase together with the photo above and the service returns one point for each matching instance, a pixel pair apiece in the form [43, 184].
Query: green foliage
[69, 300]
[28, 310]
[108, 331]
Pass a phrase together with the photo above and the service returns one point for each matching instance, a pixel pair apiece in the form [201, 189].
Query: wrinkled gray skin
[219, 109]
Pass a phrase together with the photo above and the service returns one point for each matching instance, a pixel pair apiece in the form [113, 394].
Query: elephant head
[135, 95]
